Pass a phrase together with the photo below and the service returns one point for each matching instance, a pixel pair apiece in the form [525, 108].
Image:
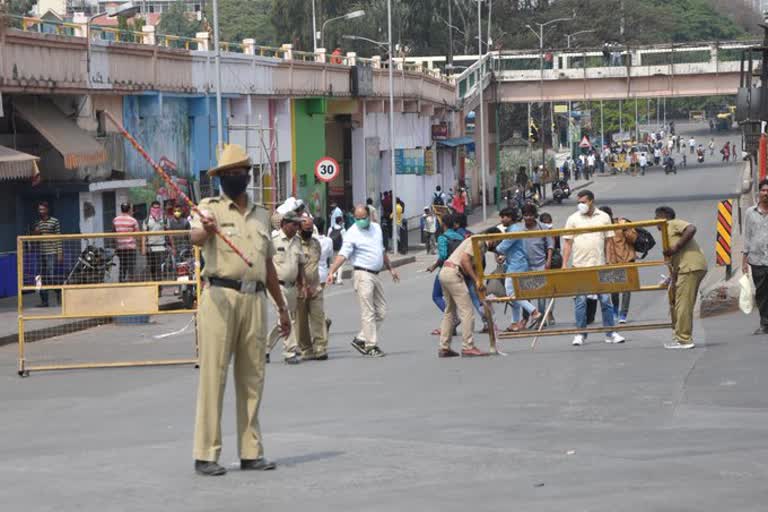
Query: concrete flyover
[42, 63]
[675, 70]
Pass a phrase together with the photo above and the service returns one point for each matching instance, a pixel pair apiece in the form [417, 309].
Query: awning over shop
[76, 146]
[457, 141]
[17, 165]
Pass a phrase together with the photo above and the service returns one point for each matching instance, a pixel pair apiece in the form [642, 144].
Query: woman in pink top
[460, 201]
[126, 246]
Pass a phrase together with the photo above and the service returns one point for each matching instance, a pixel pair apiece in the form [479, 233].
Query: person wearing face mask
[363, 247]
[289, 262]
[588, 250]
[311, 328]
[233, 313]
[154, 247]
[179, 243]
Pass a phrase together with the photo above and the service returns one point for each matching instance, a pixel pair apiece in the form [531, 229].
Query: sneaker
[615, 337]
[374, 352]
[293, 359]
[358, 345]
[675, 345]
[623, 318]
[578, 340]
[267, 358]
[473, 352]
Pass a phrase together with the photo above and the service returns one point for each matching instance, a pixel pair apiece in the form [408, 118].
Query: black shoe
[374, 352]
[294, 359]
[42, 305]
[358, 345]
[209, 468]
[761, 330]
[323, 357]
[260, 464]
[267, 358]
[328, 323]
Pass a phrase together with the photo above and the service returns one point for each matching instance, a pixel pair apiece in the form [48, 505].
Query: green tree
[178, 22]
[240, 20]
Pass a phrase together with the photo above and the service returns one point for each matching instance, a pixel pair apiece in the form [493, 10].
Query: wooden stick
[543, 321]
[168, 181]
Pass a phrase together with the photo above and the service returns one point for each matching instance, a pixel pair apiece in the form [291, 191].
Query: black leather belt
[241, 286]
[287, 285]
[374, 272]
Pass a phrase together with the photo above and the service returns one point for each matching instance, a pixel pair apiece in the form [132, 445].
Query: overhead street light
[380, 44]
[349, 16]
[568, 37]
[128, 10]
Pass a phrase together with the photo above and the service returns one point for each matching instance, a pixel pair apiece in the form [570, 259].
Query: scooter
[700, 156]
[185, 273]
[560, 191]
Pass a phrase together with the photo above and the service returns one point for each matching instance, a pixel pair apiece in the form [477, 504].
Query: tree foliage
[240, 20]
[177, 21]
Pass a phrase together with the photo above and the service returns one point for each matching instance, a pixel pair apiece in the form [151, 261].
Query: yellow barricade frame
[24, 368]
[569, 282]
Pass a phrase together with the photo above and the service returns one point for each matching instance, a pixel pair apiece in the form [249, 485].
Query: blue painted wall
[181, 128]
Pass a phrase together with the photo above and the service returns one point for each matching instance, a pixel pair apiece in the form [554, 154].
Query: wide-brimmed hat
[231, 156]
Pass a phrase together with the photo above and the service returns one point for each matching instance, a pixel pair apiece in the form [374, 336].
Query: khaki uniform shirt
[249, 232]
[690, 258]
[288, 256]
[311, 249]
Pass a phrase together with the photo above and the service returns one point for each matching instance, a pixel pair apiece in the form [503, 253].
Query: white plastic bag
[747, 294]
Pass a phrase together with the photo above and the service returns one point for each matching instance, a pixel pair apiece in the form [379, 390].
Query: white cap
[289, 205]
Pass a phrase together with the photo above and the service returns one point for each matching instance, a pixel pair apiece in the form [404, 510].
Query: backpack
[337, 239]
[453, 244]
[437, 199]
[644, 242]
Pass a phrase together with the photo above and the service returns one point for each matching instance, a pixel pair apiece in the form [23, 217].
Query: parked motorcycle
[560, 190]
[185, 273]
[91, 267]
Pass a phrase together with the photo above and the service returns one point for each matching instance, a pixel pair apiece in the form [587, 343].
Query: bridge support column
[636, 58]
[203, 40]
[249, 46]
[148, 35]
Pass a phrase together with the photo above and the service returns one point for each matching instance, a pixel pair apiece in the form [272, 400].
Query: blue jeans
[518, 305]
[606, 308]
[475, 298]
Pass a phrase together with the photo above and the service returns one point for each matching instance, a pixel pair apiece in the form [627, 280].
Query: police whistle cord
[168, 181]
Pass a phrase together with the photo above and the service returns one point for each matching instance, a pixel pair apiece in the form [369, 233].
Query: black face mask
[233, 186]
[306, 235]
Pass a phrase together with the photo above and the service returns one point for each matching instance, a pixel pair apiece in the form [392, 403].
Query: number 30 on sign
[326, 169]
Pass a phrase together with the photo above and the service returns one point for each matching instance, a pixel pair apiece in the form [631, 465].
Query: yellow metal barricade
[107, 300]
[569, 282]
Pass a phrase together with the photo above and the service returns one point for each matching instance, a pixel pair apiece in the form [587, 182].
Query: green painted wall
[308, 128]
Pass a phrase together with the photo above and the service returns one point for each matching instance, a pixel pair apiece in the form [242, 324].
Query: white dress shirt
[364, 248]
[326, 253]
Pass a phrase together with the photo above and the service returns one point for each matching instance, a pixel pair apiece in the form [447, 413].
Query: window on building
[197, 7]
[151, 8]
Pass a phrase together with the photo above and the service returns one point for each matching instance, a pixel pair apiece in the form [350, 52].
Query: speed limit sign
[326, 169]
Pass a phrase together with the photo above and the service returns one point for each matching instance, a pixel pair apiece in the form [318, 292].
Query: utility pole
[602, 128]
[392, 170]
[480, 118]
[217, 49]
[450, 36]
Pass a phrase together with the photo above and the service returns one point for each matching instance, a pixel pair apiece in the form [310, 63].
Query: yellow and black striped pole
[724, 238]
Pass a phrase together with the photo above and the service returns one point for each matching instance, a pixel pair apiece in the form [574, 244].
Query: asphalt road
[598, 428]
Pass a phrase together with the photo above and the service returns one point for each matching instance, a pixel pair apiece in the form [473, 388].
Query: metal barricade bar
[568, 282]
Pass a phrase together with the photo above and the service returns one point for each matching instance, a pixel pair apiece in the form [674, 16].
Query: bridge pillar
[202, 41]
[249, 46]
[351, 58]
[636, 58]
[287, 51]
[148, 35]
[320, 55]
[376, 61]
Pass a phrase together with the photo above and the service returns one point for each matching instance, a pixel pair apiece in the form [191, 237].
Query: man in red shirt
[126, 246]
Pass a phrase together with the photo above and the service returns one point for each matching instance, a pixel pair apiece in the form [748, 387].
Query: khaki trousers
[373, 306]
[230, 323]
[457, 303]
[290, 346]
[686, 292]
[312, 332]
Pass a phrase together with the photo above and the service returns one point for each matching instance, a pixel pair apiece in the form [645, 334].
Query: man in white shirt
[643, 161]
[588, 250]
[326, 249]
[363, 247]
[590, 165]
[691, 145]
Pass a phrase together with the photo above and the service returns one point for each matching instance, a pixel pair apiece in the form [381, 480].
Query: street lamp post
[128, 9]
[217, 58]
[568, 37]
[480, 118]
[314, 28]
[349, 16]
[540, 35]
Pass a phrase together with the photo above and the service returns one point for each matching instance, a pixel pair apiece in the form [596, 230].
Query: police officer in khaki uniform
[311, 328]
[289, 262]
[233, 313]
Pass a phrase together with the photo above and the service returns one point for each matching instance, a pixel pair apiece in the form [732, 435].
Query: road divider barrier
[146, 283]
[570, 282]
